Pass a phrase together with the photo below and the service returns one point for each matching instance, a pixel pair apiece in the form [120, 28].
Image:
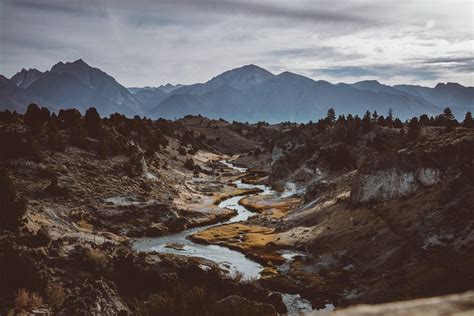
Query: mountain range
[248, 93]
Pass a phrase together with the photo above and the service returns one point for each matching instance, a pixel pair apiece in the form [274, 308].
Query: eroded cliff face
[384, 177]
[386, 184]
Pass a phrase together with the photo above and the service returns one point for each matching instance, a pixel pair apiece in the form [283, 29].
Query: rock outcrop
[95, 297]
[383, 177]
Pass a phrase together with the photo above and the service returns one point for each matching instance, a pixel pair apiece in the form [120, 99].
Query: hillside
[330, 214]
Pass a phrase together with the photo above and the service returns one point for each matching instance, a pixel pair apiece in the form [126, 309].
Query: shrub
[12, 208]
[180, 300]
[36, 117]
[55, 141]
[182, 151]
[413, 128]
[93, 260]
[189, 164]
[69, 118]
[25, 299]
[55, 295]
[6, 116]
[468, 121]
[93, 123]
[78, 136]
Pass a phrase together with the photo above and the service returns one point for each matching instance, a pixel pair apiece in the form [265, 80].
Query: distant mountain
[251, 93]
[248, 93]
[148, 98]
[167, 88]
[454, 95]
[25, 78]
[12, 97]
[240, 78]
[74, 84]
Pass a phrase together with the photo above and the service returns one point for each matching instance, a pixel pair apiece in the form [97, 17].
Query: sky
[149, 43]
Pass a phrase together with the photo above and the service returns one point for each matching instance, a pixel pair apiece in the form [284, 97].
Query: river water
[231, 260]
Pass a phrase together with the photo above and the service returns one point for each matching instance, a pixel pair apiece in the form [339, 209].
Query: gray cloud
[347, 71]
[147, 42]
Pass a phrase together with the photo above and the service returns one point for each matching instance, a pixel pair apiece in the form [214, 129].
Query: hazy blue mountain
[12, 97]
[248, 93]
[71, 84]
[454, 95]
[167, 88]
[412, 102]
[134, 90]
[287, 96]
[92, 85]
[240, 78]
[148, 98]
[174, 106]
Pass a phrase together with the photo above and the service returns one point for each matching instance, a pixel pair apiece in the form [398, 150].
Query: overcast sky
[145, 42]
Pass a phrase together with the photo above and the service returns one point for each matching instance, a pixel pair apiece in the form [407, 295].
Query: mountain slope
[100, 84]
[292, 97]
[12, 97]
[149, 98]
[240, 78]
[174, 106]
[66, 85]
[248, 93]
[454, 95]
[25, 78]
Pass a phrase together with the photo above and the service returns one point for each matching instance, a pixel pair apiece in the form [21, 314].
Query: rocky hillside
[379, 210]
[76, 189]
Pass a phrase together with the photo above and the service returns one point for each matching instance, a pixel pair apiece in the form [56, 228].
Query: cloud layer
[147, 42]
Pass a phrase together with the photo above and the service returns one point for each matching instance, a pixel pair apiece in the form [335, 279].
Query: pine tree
[381, 121]
[424, 120]
[375, 116]
[448, 118]
[468, 121]
[389, 119]
[331, 117]
[397, 123]
[366, 123]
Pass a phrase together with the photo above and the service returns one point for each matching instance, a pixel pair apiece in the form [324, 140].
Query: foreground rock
[456, 304]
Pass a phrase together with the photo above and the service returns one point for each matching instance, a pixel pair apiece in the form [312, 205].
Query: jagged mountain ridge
[248, 93]
[72, 84]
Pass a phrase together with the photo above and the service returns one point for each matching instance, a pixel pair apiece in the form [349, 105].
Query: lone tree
[468, 121]
[331, 117]
[12, 208]
[448, 118]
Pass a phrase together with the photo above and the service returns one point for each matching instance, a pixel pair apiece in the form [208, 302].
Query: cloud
[147, 42]
[347, 71]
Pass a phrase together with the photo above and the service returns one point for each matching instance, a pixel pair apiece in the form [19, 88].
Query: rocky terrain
[354, 209]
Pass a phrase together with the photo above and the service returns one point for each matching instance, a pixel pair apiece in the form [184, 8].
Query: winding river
[231, 260]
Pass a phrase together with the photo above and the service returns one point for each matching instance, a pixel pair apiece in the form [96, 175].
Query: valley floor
[320, 247]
